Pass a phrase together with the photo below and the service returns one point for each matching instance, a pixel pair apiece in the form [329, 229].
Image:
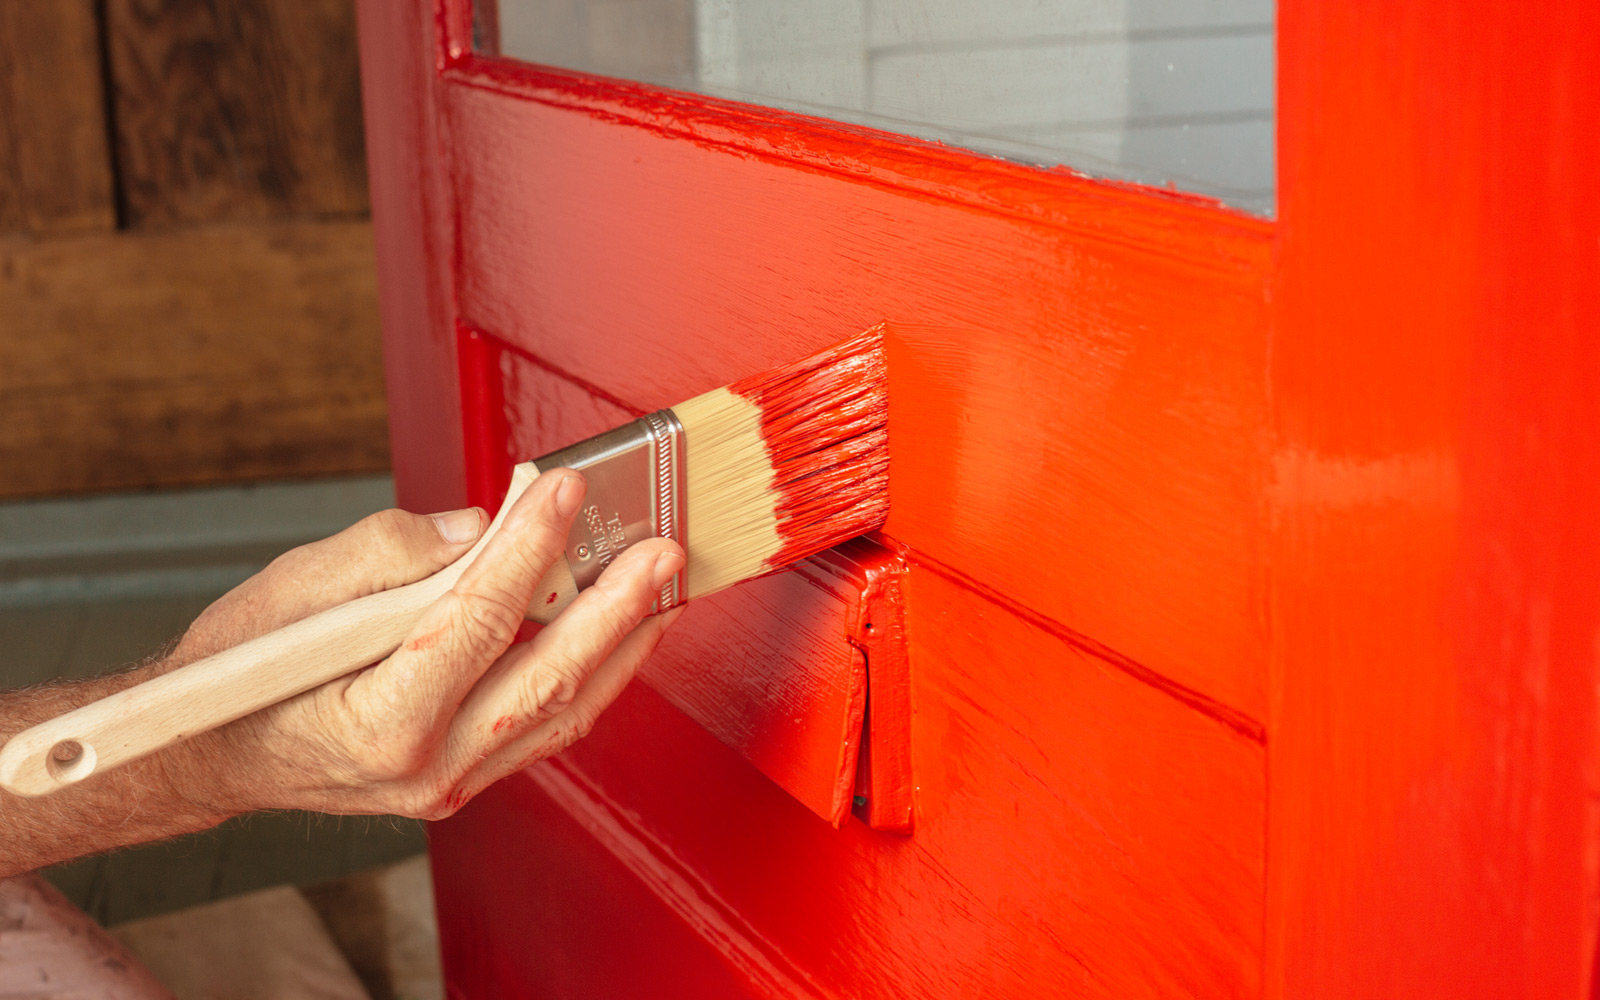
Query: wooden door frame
[1432, 603]
[1435, 600]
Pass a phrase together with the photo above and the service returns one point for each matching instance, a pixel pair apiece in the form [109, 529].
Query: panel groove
[1241, 723]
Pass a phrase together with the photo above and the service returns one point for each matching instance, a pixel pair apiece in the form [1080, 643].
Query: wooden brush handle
[217, 690]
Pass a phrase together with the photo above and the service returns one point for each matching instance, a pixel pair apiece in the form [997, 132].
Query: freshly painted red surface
[1249, 603]
[1032, 870]
[1102, 390]
[1077, 418]
[413, 220]
[556, 932]
[769, 668]
[885, 786]
[1435, 374]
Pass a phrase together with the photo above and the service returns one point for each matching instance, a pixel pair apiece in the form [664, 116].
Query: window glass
[1168, 92]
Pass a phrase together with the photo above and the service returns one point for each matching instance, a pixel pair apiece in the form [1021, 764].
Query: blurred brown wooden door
[185, 257]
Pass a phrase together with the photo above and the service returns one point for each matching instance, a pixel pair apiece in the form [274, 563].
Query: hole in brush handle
[70, 761]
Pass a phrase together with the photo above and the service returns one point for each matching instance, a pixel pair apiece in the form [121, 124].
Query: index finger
[467, 629]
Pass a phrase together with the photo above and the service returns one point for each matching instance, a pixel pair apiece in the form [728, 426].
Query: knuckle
[614, 624]
[485, 622]
[434, 797]
[627, 595]
[391, 531]
[576, 725]
[431, 804]
[582, 725]
[549, 690]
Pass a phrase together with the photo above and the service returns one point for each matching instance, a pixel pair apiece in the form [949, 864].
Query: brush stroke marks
[1435, 544]
[765, 667]
[1080, 420]
[1078, 834]
[1078, 417]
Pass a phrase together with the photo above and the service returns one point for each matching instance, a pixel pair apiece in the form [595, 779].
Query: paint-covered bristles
[786, 463]
[825, 423]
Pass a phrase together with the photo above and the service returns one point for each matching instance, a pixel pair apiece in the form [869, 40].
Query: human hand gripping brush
[747, 478]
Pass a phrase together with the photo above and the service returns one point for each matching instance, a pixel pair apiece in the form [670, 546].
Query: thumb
[386, 550]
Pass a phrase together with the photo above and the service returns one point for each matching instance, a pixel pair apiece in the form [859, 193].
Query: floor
[92, 584]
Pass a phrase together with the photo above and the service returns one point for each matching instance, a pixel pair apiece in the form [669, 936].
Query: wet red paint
[1118, 410]
[502, 723]
[824, 419]
[1176, 488]
[1435, 597]
[551, 599]
[457, 798]
[784, 690]
[1078, 410]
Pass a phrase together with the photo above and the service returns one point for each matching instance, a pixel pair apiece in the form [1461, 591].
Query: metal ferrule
[637, 490]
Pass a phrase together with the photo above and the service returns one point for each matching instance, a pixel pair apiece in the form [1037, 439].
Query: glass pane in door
[1166, 92]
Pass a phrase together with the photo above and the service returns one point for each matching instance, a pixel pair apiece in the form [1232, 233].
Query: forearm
[166, 794]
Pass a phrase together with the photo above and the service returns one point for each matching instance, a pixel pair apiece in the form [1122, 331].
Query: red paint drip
[825, 421]
[551, 599]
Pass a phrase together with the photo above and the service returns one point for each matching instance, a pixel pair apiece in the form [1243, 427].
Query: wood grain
[228, 685]
[1079, 835]
[1090, 370]
[214, 355]
[236, 110]
[1435, 599]
[55, 161]
[1079, 449]
[766, 667]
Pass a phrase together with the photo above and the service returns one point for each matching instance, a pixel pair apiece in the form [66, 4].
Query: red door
[1242, 572]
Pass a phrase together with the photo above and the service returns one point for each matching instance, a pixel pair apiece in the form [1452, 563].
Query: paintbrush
[748, 479]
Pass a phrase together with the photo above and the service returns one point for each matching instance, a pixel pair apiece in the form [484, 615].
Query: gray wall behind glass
[1173, 92]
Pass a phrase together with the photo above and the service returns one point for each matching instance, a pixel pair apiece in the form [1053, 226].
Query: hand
[458, 706]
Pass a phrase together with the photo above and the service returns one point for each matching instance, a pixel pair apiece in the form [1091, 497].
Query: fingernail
[569, 494]
[667, 566]
[458, 526]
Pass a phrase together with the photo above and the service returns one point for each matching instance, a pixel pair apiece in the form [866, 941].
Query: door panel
[777, 668]
[1079, 460]
[589, 928]
[1080, 834]
[1355, 446]
[1088, 384]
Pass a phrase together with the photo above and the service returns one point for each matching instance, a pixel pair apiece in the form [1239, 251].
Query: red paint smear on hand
[428, 641]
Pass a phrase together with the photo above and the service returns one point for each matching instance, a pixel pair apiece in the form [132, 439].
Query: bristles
[784, 464]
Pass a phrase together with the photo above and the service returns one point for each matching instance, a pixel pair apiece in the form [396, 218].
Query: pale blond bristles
[732, 519]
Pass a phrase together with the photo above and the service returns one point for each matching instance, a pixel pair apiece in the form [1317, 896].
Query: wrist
[201, 783]
[196, 772]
